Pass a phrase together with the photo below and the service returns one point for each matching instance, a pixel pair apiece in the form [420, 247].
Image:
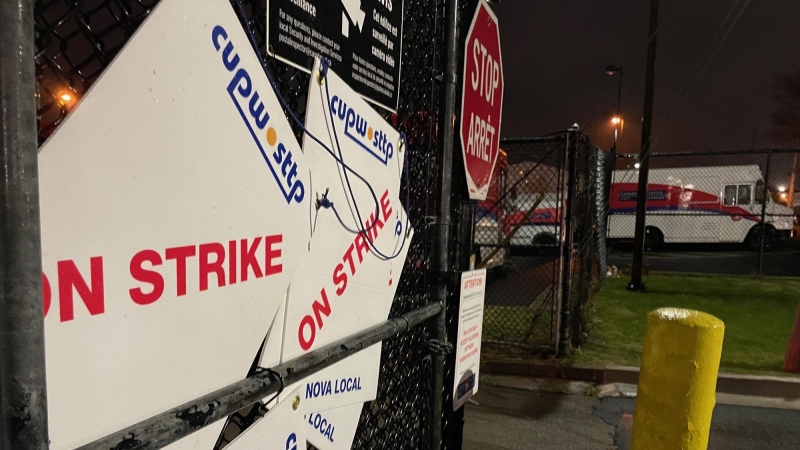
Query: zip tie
[323, 202]
[402, 143]
[440, 348]
[273, 374]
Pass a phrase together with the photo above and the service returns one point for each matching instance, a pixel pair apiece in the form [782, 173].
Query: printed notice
[468, 344]
[362, 39]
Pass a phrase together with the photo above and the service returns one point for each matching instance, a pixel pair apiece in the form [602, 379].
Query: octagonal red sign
[481, 100]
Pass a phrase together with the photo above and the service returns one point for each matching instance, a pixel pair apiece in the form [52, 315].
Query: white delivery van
[698, 205]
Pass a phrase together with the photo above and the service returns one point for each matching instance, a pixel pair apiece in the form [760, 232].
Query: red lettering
[249, 258]
[321, 308]
[385, 206]
[232, 262]
[374, 225]
[69, 277]
[207, 267]
[271, 254]
[340, 279]
[139, 273]
[307, 322]
[348, 257]
[179, 254]
[361, 246]
[46, 294]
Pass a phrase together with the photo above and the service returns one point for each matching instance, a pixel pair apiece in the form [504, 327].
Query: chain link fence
[545, 261]
[518, 239]
[588, 225]
[75, 42]
[725, 213]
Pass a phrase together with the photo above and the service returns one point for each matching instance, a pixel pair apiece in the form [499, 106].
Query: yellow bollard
[677, 381]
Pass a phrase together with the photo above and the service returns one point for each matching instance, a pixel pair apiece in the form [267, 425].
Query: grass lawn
[758, 313]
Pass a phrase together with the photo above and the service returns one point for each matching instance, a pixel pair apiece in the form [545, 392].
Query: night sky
[555, 53]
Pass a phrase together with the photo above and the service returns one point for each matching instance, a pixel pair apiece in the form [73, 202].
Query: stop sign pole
[481, 100]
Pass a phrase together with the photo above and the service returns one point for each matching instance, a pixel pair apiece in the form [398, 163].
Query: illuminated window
[730, 195]
[737, 195]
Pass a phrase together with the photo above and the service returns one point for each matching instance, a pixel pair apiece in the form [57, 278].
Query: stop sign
[481, 100]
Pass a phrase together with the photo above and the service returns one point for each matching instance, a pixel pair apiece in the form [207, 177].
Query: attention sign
[468, 341]
[481, 100]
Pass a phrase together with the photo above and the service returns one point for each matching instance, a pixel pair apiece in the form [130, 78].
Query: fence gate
[518, 237]
[541, 234]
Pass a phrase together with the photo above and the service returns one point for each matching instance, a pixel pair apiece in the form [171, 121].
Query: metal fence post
[568, 245]
[23, 404]
[441, 260]
[764, 215]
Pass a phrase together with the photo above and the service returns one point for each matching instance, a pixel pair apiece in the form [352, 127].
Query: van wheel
[653, 239]
[544, 244]
[753, 241]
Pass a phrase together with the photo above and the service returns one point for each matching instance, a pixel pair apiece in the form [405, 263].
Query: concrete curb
[751, 385]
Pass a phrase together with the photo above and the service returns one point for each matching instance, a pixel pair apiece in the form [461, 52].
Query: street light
[781, 188]
[66, 98]
[617, 121]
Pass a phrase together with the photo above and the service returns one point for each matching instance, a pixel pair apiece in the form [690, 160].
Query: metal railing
[179, 422]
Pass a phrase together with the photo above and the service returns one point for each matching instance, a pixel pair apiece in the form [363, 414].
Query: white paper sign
[174, 212]
[468, 344]
[333, 429]
[347, 382]
[347, 282]
[359, 243]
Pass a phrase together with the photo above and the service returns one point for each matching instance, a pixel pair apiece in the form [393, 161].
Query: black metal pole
[763, 225]
[170, 426]
[611, 70]
[618, 125]
[609, 179]
[644, 162]
[619, 92]
[23, 402]
[441, 260]
[567, 248]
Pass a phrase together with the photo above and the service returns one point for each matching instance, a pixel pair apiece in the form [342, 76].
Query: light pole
[618, 123]
[644, 162]
[617, 120]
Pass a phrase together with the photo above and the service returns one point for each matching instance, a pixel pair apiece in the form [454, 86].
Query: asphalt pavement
[716, 259]
[511, 419]
[525, 278]
[733, 427]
